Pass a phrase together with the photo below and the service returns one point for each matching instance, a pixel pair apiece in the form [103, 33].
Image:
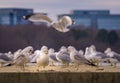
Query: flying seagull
[62, 25]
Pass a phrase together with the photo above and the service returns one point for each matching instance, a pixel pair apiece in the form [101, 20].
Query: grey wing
[4, 57]
[80, 59]
[38, 17]
[102, 55]
[53, 57]
[64, 57]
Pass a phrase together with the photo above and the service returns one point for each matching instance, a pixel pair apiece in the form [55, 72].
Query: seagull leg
[52, 63]
[97, 63]
[38, 68]
[115, 65]
[22, 67]
[67, 64]
[1, 65]
[111, 63]
[64, 65]
[77, 67]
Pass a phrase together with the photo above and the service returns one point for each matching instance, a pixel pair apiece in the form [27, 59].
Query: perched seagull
[22, 57]
[63, 56]
[115, 57]
[76, 57]
[27, 52]
[52, 56]
[94, 56]
[62, 24]
[81, 52]
[111, 53]
[43, 59]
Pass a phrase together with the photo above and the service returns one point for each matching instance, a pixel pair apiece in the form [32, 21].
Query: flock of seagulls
[62, 25]
[66, 56]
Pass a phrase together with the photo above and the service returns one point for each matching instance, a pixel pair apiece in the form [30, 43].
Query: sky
[56, 7]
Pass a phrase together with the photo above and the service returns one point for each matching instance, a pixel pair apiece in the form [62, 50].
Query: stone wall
[60, 77]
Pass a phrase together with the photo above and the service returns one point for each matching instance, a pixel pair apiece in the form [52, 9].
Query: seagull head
[27, 50]
[71, 48]
[67, 20]
[81, 52]
[92, 48]
[87, 51]
[51, 50]
[27, 16]
[63, 49]
[108, 50]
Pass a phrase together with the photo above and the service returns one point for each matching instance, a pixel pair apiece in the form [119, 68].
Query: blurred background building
[95, 19]
[85, 18]
[13, 16]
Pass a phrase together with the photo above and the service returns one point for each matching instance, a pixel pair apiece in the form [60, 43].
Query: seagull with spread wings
[62, 25]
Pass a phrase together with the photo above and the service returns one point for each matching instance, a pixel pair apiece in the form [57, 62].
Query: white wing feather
[39, 17]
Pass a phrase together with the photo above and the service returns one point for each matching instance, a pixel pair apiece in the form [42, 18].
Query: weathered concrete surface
[60, 77]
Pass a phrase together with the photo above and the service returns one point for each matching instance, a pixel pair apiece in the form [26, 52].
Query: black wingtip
[27, 16]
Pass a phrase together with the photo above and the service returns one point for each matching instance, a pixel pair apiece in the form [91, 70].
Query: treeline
[17, 37]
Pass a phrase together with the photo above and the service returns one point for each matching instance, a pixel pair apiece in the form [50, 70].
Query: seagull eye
[73, 22]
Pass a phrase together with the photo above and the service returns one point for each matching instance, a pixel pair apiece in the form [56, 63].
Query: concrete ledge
[60, 77]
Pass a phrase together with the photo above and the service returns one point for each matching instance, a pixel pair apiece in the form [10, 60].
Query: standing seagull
[63, 56]
[75, 56]
[94, 56]
[21, 57]
[62, 24]
[114, 57]
[43, 59]
[52, 56]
